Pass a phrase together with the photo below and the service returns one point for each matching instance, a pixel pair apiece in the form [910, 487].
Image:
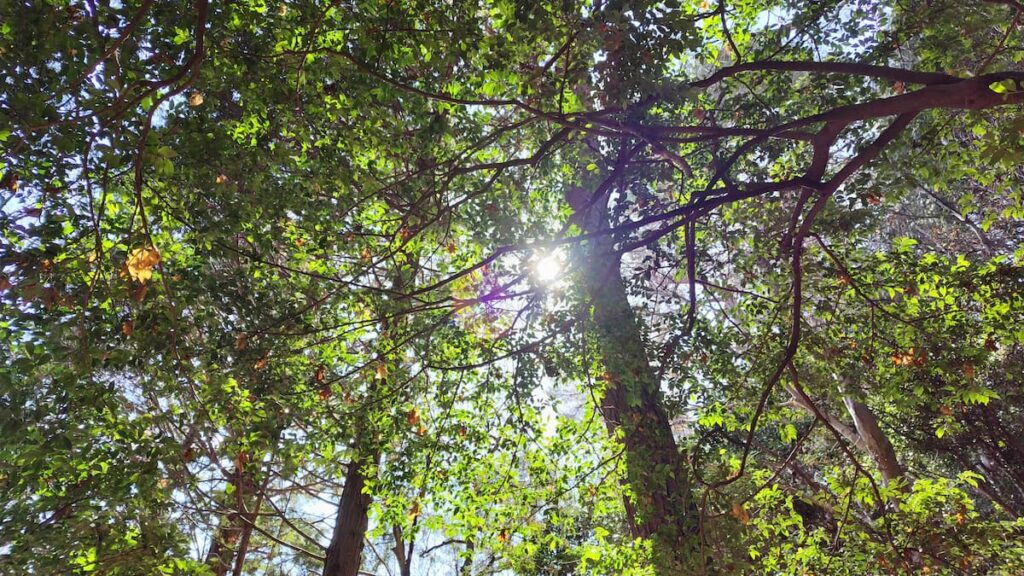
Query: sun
[548, 267]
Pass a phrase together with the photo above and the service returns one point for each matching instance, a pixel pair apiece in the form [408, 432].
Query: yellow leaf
[382, 371]
[196, 99]
[141, 262]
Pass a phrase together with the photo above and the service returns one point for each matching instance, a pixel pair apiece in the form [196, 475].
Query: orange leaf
[141, 262]
[412, 417]
[739, 512]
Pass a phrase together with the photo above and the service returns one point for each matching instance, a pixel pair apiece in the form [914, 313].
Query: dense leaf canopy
[512, 287]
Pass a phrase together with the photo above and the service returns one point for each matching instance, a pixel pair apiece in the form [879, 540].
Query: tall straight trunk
[632, 405]
[344, 555]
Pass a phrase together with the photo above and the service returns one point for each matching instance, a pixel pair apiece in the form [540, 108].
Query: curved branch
[846, 68]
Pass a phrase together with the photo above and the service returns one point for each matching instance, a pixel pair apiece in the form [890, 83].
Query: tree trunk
[875, 441]
[467, 564]
[404, 561]
[865, 434]
[221, 554]
[344, 555]
[632, 406]
[233, 526]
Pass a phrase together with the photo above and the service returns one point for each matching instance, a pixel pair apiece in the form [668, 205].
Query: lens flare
[548, 268]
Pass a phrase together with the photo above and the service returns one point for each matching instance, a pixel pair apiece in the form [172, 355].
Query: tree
[268, 259]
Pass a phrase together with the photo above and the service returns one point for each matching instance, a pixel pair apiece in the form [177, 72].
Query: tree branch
[846, 68]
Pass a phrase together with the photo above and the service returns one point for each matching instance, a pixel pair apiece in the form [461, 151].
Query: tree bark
[865, 434]
[875, 441]
[233, 527]
[344, 555]
[467, 564]
[632, 405]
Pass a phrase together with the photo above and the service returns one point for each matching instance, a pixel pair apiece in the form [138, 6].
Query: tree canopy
[537, 287]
